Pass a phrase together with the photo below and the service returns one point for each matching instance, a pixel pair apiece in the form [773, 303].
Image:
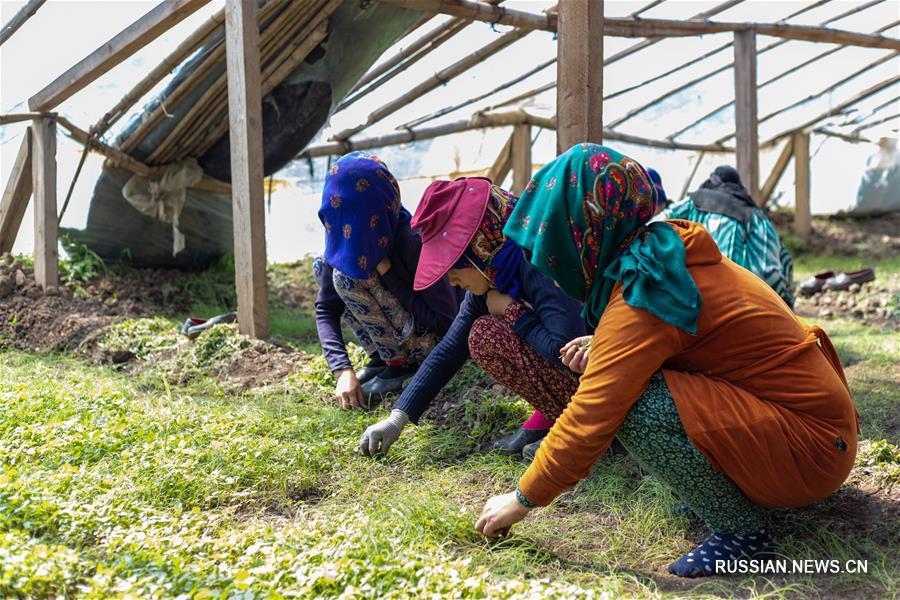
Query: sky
[64, 31]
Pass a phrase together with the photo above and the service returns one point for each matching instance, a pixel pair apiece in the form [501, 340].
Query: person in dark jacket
[366, 280]
[513, 321]
[741, 230]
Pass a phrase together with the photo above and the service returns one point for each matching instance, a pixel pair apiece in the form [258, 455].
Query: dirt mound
[34, 319]
[875, 238]
[81, 319]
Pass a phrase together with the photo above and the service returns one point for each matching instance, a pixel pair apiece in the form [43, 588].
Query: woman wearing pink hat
[513, 321]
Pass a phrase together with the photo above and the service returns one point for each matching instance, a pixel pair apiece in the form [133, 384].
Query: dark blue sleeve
[555, 318]
[329, 309]
[433, 309]
[443, 362]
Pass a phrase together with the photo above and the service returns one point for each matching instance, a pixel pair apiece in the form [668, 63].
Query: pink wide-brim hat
[447, 219]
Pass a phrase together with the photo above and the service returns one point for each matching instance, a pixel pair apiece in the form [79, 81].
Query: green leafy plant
[82, 264]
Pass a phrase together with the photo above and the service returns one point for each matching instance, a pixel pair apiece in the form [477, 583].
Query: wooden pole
[46, 256]
[641, 27]
[579, 73]
[802, 212]
[19, 19]
[746, 134]
[502, 164]
[245, 116]
[16, 195]
[440, 78]
[521, 158]
[160, 19]
[777, 171]
[687, 182]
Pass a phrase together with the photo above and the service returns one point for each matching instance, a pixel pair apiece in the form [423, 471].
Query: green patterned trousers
[653, 434]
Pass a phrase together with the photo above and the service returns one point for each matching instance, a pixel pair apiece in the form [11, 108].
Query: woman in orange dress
[698, 368]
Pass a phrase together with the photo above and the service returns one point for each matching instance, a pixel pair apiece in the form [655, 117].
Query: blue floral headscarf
[361, 213]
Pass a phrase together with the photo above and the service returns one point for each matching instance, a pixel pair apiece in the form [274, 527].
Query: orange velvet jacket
[759, 393]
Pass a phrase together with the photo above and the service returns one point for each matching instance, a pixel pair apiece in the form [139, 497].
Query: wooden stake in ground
[245, 117]
[16, 195]
[802, 212]
[777, 171]
[746, 135]
[579, 95]
[46, 239]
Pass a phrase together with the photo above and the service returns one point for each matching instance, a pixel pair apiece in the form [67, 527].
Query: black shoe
[389, 381]
[512, 445]
[530, 450]
[371, 369]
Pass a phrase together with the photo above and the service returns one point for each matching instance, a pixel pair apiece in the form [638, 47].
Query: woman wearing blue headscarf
[366, 279]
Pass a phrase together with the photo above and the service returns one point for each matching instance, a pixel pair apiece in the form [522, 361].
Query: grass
[115, 485]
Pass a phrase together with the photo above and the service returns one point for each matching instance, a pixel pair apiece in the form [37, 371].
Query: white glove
[380, 436]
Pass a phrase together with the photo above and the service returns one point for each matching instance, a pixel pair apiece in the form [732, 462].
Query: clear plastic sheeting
[879, 190]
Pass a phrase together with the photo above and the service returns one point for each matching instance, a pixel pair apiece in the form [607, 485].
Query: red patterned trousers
[513, 363]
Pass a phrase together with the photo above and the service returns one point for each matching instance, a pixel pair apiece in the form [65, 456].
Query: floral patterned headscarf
[582, 221]
[361, 212]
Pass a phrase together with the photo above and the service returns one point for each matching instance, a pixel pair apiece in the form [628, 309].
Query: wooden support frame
[484, 120]
[502, 164]
[16, 195]
[438, 79]
[245, 116]
[641, 27]
[774, 177]
[520, 153]
[687, 182]
[46, 236]
[160, 19]
[579, 74]
[802, 209]
[18, 19]
[746, 134]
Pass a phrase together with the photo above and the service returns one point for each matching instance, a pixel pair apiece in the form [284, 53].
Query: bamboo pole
[436, 80]
[772, 80]
[9, 119]
[500, 88]
[215, 59]
[405, 59]
[876, 123]
[549, 86]
[629, 27]
[821, 93]
[483, 120]
[688, 84]
[214, 100]
[520, 156]
[837, 109]
[777, 171]
[313, 32]
[197, 39]
[16, 194]
[853, 139]
[25, 13]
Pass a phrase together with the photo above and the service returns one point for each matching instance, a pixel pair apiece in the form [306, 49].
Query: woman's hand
[348, 390]
[384, 266]
[574, 354]
[497, 302]
[499, 514]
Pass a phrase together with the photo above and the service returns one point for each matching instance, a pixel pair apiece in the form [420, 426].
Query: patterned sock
[701, 561]
[537, 421]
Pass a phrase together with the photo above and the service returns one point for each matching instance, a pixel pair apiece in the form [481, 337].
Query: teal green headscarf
[582, 221]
